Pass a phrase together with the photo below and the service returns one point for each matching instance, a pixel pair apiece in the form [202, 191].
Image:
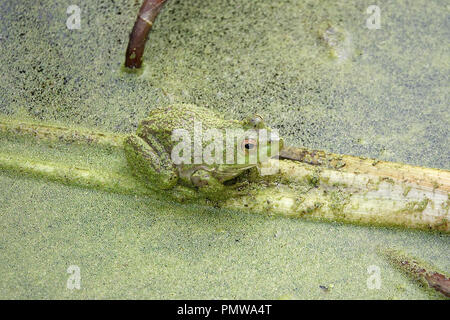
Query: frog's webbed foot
[207, 184]
[145, 161]
[204, 179]
[213, 189]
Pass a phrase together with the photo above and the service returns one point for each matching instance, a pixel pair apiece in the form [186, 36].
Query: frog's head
[259, 143]
[255, 143]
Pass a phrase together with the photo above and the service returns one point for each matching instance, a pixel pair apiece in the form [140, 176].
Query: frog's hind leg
[146, 162]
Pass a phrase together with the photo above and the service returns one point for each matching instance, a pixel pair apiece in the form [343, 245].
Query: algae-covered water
[379, 93]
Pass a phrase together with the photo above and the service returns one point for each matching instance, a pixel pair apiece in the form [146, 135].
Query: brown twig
[425, 274]
[138, 37]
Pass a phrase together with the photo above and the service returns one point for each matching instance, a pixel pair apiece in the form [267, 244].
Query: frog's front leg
[150, 161]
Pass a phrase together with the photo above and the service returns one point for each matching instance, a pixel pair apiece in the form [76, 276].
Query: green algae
[236, 58]
[406, 190]
[418, 206]
[338, 201]
[240, 58]
[135, 247]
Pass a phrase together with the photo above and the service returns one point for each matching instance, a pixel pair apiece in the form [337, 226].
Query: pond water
[315, 71]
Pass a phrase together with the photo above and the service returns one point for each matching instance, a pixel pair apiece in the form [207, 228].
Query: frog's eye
[249, 145]
[256, 121]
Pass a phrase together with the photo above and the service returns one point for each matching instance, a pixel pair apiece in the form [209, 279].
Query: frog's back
[162, 121]
[165, 119]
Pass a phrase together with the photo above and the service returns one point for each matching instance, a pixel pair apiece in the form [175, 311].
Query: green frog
[154, 152]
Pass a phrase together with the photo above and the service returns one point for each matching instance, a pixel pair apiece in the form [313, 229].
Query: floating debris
[422, 272]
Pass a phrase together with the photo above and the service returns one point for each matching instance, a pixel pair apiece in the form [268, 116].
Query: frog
[151, 151]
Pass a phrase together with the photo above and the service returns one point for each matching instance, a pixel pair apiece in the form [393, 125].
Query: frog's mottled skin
[149, 151]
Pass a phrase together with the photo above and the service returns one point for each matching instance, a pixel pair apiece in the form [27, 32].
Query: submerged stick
[138, 37]
[57, 133]
[422, 272]
[318, 185]
[72, 175]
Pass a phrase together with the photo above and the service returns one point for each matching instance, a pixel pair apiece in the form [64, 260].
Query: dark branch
[419, 271]
[138, 37]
